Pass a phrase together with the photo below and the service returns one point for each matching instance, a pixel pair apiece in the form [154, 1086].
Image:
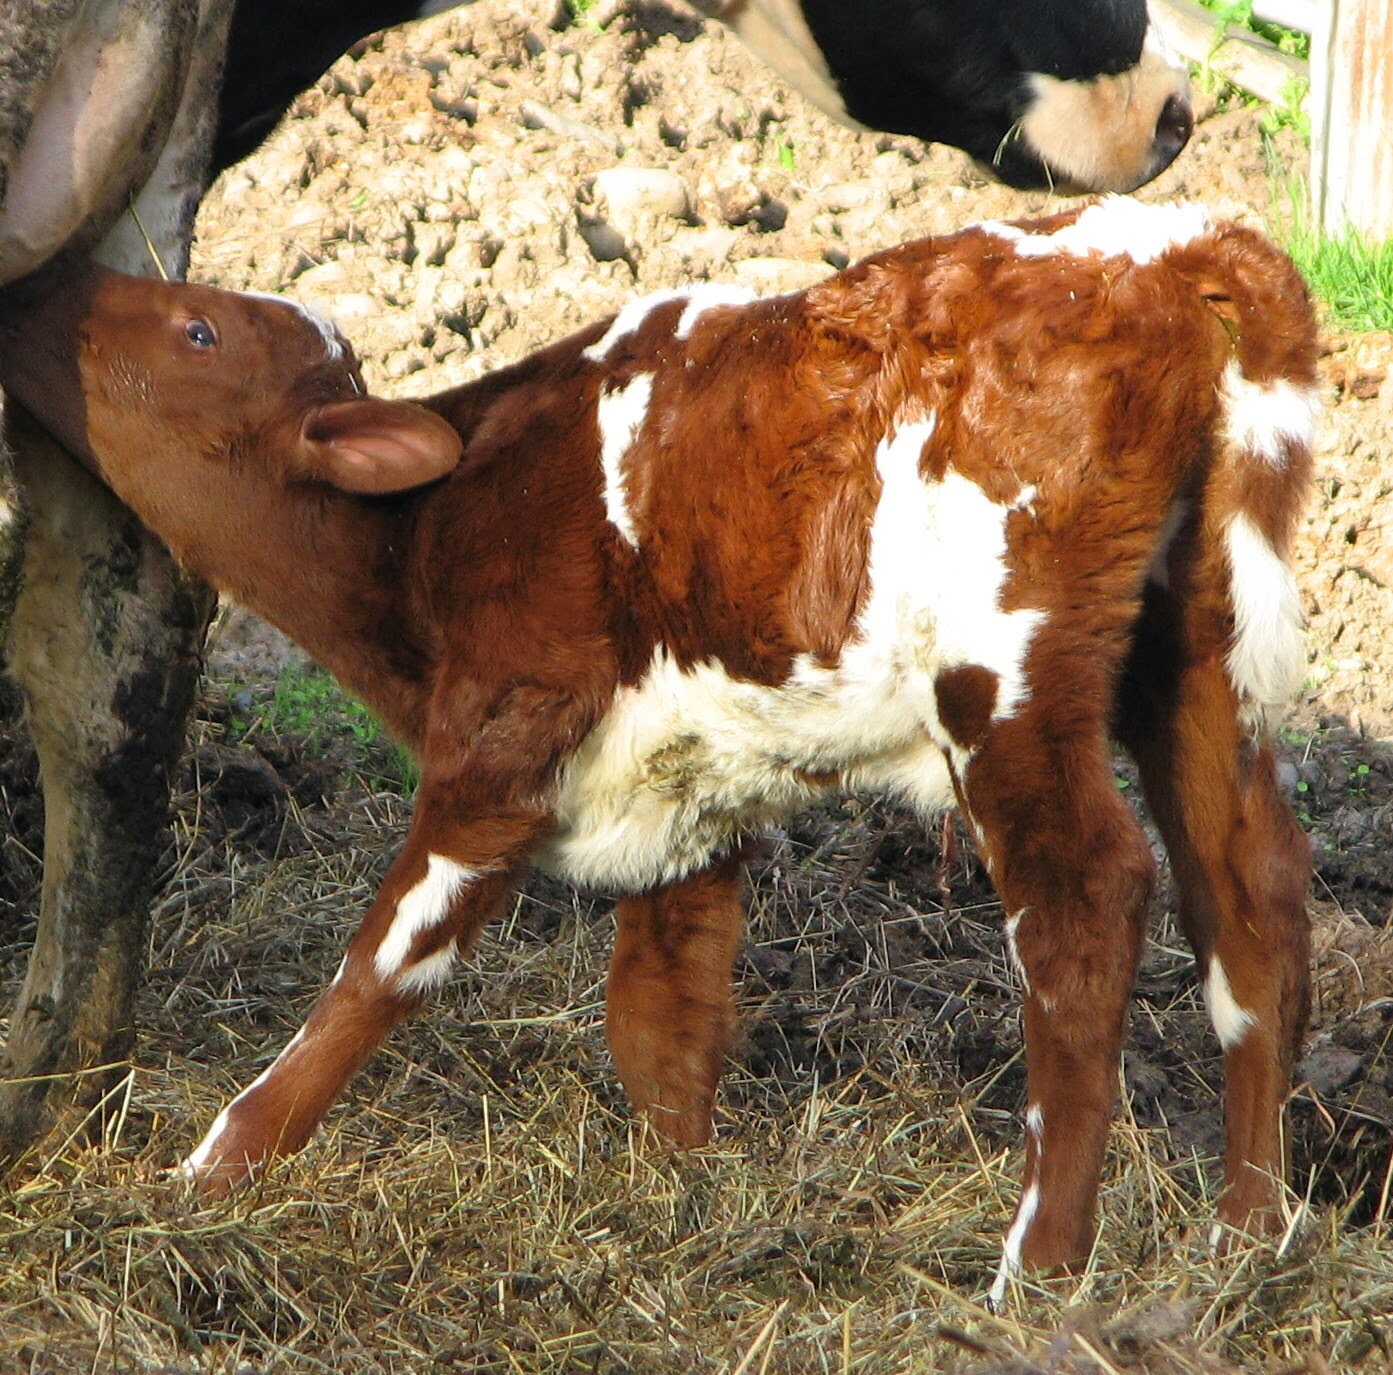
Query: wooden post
[1352, 118]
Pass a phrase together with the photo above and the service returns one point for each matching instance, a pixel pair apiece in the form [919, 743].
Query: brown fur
[492, 616]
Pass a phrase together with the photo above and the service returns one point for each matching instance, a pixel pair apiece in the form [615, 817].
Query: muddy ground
[471, 188]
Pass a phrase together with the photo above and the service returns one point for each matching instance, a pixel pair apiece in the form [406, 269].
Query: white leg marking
[1010, 1265]
[206, 1152]
[1231, 1022]
[1035, 1125]
[420, 907]
[426, 975]
[621, 414]
[1013, 923]
[1267, 658]
[1268, 419]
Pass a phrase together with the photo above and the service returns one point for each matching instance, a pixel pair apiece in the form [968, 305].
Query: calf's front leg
[450, 877]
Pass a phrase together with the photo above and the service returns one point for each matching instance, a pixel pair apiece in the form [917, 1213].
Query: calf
[934, 526]
[105, 102]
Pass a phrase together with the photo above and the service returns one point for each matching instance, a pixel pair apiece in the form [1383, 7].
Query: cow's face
[1074, 95]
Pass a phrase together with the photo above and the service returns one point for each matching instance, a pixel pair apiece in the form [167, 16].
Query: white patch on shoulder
[1231, 1022]
[1116, 226]
[687, 760]
[706, 296]
[621, 413]
[700, 297]
[1010, 1266]
[424, 905]
[1267, 659]
[1268, 419]
[334, 349]
[630, 318]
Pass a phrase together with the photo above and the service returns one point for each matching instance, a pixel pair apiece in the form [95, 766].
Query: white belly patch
[686, 761]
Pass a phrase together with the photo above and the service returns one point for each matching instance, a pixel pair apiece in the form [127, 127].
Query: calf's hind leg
[1241, 866]
[1074, 872]
[669, 1008]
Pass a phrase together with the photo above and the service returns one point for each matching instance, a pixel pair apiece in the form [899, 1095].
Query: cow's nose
[1173, 128]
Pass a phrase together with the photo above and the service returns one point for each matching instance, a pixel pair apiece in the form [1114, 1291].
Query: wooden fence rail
[1348, 93]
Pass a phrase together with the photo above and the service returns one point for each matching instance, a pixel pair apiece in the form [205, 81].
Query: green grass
[1291, 111]
[1350, 274]
[1352, 277]
[1239, 14]
[307, 702]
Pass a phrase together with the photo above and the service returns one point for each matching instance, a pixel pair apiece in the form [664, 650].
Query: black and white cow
[1064, 93]
[105, 102]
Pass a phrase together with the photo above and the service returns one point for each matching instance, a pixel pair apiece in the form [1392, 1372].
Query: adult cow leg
[105, 643]
[1241, 867]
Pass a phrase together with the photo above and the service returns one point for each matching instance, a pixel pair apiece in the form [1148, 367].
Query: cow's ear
[374, 447]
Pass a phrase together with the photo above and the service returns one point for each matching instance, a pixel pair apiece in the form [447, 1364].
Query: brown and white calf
[106, 104]
[936, 526]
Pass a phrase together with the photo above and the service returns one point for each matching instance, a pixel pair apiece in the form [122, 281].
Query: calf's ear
[374, 447]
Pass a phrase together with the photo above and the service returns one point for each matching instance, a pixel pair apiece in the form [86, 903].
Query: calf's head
[179, 395]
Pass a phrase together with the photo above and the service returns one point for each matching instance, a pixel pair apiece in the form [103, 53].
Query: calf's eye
[200, 334]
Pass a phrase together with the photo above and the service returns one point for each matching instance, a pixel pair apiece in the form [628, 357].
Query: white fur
[1013, 924]
[630, 318]
[1268, 419]
[1231, 1022]
[700, 297]
[428, 974]
[333, 345]
[706, 296]
[1010, 1265]
[1267, 659]
[422, 906]
[621, 414]
[1035, 1124]
[686, 760]
[1156, 42]
[1116, 226]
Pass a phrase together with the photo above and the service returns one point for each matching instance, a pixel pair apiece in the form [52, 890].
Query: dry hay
[484, 1201]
